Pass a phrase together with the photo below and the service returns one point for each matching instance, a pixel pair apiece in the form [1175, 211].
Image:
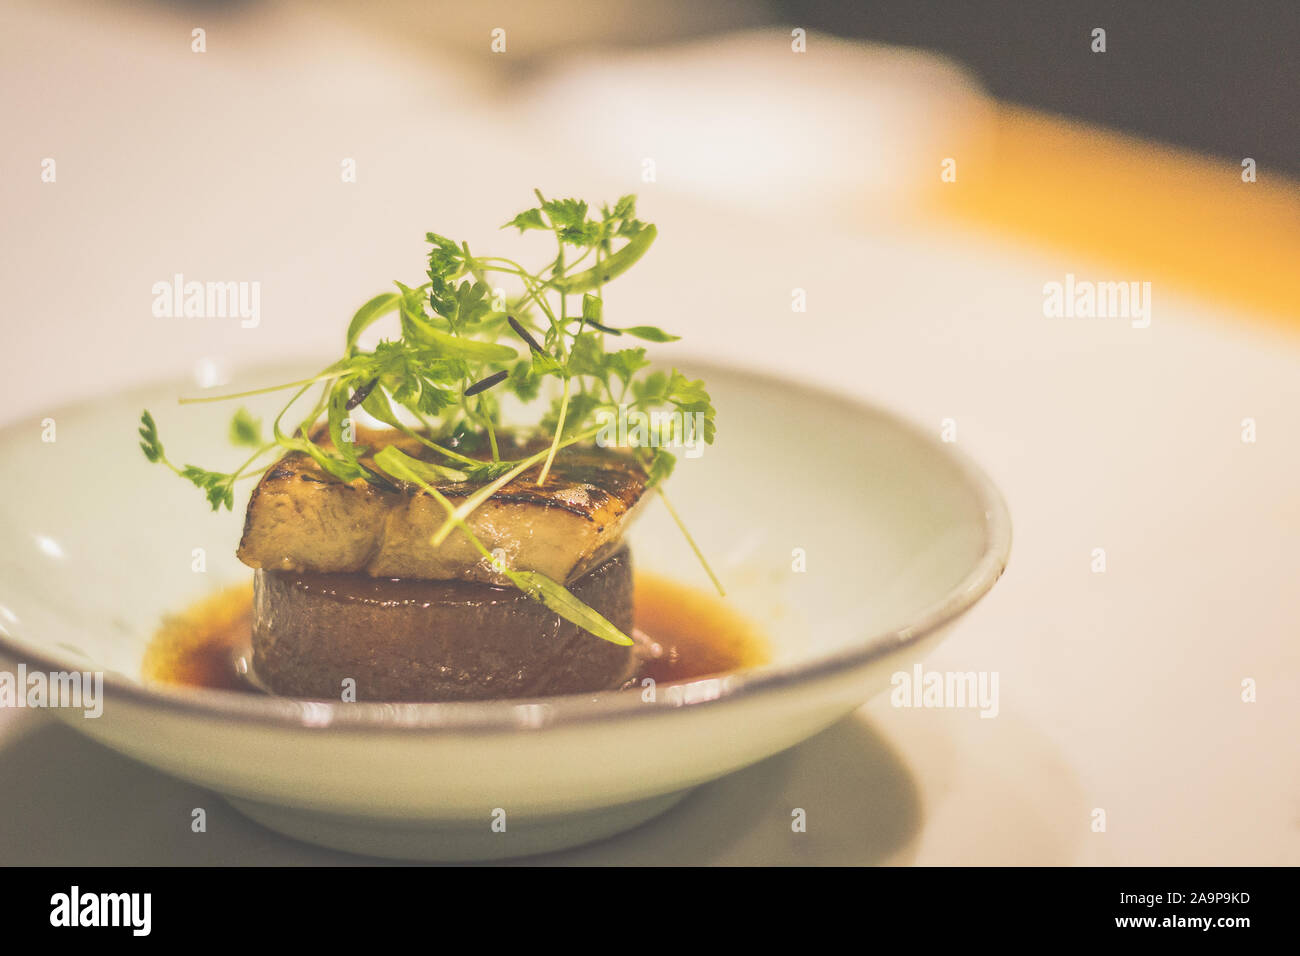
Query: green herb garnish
[459, 343]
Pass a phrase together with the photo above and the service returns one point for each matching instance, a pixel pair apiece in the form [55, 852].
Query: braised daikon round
[383, 639]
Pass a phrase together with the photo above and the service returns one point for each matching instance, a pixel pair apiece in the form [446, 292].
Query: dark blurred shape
[1213, 76]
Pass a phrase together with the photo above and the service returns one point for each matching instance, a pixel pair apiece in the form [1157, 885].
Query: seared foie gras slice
[411, 640]
[302, 519]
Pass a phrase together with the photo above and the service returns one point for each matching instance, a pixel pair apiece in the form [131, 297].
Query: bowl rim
[544, 713]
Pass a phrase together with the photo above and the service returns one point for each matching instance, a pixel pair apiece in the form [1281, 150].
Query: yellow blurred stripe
[1153, 212]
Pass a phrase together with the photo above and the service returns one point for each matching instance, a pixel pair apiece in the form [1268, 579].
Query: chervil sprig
[219, 487]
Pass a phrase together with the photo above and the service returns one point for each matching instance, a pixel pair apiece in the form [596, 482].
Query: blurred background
[211, 139]
[920, 171]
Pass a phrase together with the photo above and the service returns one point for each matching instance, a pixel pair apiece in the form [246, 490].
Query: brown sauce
[684, 634]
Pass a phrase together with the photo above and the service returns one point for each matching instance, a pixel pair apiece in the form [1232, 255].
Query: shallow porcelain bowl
[853, 540]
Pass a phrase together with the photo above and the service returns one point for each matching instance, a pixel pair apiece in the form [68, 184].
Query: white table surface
[1118, 690]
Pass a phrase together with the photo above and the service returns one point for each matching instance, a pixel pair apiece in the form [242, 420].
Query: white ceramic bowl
[900, 533]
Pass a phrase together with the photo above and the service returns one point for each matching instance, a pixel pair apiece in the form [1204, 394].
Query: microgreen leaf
[528, 219]
[149, 443]
[369, 313]
[661, 466]
[523, 382]
[219, 487]
[245, 429]
[650, 333]
[626, 363]
[609, 269]
[562, 601]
